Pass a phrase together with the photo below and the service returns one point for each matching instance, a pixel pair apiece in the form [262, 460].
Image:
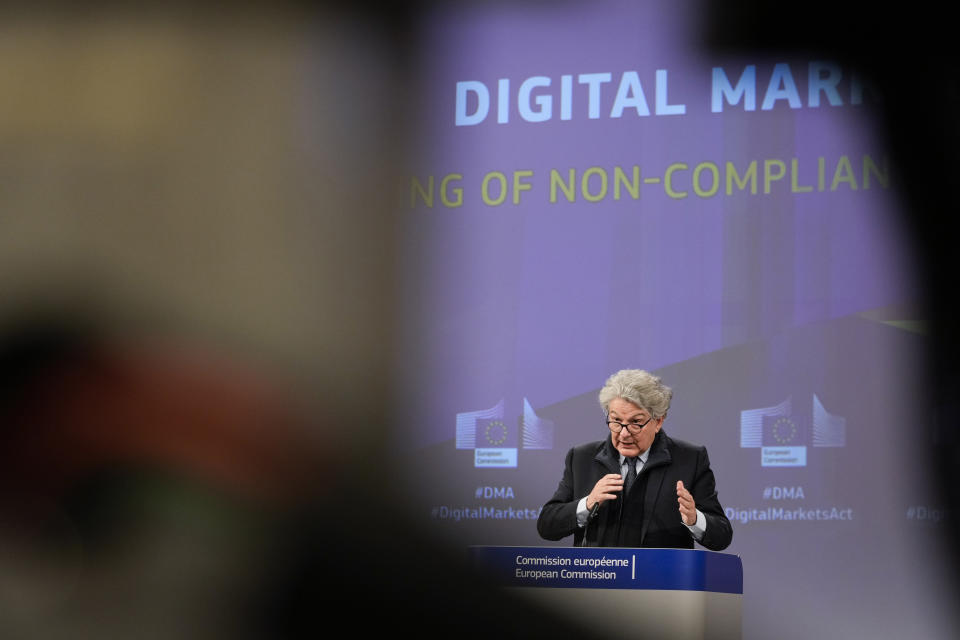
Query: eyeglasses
[633, 427]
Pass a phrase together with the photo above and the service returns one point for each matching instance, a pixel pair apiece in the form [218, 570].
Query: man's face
[627, 442]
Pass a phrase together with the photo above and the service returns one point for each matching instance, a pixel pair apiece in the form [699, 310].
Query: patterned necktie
[631, 474]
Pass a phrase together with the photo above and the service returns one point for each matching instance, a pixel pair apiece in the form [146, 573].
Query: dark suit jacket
[670, 460]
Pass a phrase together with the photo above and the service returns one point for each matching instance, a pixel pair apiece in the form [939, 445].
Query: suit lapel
[608, 458]
[656, 470]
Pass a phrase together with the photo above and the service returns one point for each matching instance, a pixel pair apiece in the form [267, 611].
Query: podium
[688, 594]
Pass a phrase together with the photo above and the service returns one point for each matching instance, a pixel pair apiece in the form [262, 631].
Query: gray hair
[640, 387]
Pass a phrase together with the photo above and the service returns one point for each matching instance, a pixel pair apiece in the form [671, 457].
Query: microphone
[586, 527]
[593, 512]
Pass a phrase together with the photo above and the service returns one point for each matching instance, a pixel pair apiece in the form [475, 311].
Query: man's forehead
[628, 409]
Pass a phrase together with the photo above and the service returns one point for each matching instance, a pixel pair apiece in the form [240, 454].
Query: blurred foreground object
[185, 319]
[142, 476]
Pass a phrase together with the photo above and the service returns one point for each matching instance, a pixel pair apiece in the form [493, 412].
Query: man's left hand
[688, 508]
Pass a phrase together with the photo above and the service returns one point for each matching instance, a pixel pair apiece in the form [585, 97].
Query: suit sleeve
[558, 517]
[719, 533]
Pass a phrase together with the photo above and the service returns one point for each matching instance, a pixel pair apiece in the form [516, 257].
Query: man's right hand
[605, 489]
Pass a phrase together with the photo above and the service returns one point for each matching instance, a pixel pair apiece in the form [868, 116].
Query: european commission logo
[492, 439]
[783, 436]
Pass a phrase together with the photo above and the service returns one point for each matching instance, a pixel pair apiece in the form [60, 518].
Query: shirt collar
[643, 456]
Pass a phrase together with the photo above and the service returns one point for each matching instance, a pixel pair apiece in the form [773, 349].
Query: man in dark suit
[639, 487]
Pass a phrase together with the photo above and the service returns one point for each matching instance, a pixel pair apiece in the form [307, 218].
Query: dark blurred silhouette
[909, 58]
[138, 479]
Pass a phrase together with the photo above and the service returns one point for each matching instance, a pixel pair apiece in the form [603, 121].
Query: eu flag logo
[492, 431]
[784, 431]
[495, 439]
[783, 436]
